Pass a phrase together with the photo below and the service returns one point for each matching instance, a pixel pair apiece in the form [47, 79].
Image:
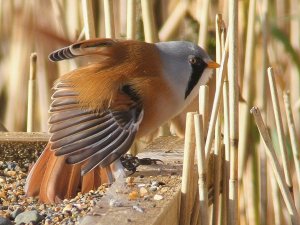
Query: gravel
[16, 208]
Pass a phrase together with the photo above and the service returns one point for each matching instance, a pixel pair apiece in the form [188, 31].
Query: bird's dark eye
[193, 60]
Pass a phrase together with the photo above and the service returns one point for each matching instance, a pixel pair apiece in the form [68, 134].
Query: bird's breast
[160, 104]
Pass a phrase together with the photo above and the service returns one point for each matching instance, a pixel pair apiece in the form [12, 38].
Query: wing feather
[97, 137]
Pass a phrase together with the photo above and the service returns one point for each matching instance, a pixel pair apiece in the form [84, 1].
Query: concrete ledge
[163, 212]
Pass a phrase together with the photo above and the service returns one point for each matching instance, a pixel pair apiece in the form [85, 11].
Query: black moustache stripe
[197, 71]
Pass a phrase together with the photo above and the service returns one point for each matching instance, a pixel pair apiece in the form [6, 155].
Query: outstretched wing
[101, 46]
[97, 137]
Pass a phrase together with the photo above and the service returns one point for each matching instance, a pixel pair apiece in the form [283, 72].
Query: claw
[148, 161]
[131, 162]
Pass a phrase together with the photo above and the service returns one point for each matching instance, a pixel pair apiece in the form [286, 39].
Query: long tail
[52, 179]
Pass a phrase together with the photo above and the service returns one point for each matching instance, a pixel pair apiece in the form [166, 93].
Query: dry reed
[173, 21]
[233, 110]
[202, 184]
[203, 106]
[225, 180]
[203, 23]
[280, 131]
[188, 170]
[109, 19]
[88, 19]
[218, 139]
[216, 102]
[285, 191]
[293, 135]
[131, 20]
[247, 88]
[148, 20]
[31, 92]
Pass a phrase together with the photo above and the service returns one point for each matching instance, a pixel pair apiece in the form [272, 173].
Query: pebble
[133, 195]
[115, 203]
[138, 208]
[155, 183]
[153, 189]
[16, 212]
[129, 180]
[5, 221]
[11, 173]
[158, 197]
[28, 216]
[143, 191]
[67, 208]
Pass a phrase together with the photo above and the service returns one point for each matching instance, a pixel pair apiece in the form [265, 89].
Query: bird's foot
[131, 162]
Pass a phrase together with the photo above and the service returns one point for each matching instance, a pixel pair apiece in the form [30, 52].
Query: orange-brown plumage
[128, 90]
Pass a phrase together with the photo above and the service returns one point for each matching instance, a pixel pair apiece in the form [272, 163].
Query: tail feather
[34, 178]
[88, 182]
[53, 180]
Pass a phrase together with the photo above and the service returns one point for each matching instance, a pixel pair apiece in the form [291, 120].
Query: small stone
[147, 197]
[155, 183]
[5, 221]
[129, 181]
[42, 207]
[2, 180]
[153, 189]
[143, 191]
[141, 185]
[115, 203]
[28, 216]
[79, 206]
[11, 173]
[164, 189]
[16, 212]
[47, 222]
[133, 195]
[158, 197]
[138, 208]
[11, 165]
[67, 208]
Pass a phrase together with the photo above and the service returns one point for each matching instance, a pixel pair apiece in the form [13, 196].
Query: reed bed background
[259, 176]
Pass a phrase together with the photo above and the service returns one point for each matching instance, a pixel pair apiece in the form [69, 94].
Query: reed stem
[109, 19]
[286, 194]
[226, 167]
[187, 170]
[88, 19]
[233, 110]
[149, 22]
[203, 106]
[131, 19]
[31, 92]
[200, 151]
[248, 90]
[280, 131]
[216, 102]
[293, 135]
[217, 144]
[171, 24]
[203, 23]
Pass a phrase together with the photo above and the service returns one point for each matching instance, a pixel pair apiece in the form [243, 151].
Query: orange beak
[213, 65]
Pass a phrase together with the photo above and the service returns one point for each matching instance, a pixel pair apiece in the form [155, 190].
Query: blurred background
[269, 35]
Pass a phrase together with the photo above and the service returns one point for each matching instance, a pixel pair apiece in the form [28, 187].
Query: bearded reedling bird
[128, 90]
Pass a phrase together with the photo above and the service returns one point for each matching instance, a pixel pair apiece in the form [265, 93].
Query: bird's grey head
[185, 66]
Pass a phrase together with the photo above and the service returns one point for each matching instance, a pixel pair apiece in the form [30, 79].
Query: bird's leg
[117, 170]
[131, 162]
